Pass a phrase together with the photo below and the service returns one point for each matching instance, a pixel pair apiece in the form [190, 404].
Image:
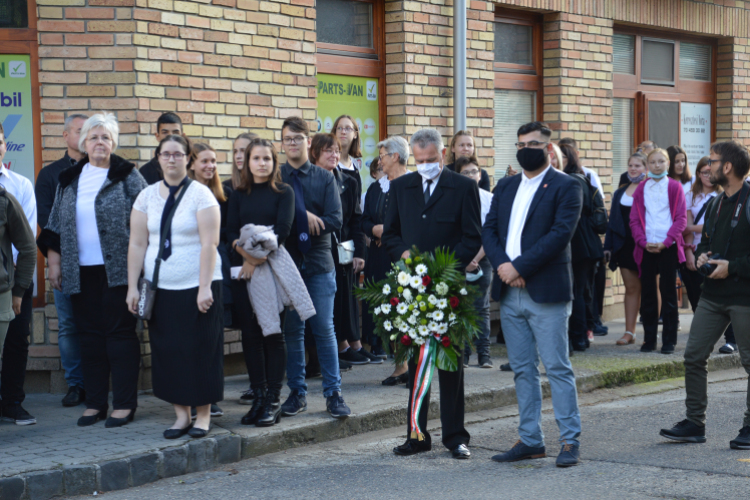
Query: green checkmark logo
[17, 67]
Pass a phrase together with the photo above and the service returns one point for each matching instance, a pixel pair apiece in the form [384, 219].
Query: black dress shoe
[91, 419]
[412, 447]
[461, 452]
[667, 349]
[75, 396]
[119, 422]
[197, 432]
[647, 347]
[177, 433]
[400, 379]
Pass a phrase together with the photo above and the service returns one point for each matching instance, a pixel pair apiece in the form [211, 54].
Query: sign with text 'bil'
[15, 113]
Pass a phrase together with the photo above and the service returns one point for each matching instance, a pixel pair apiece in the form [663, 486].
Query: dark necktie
[427, 191]
[300, 213]
[165, 214]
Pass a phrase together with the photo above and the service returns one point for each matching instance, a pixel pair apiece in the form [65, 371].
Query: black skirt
[624, 256]
[187, 347]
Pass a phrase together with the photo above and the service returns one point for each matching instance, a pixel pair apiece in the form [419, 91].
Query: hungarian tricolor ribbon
[424, 370]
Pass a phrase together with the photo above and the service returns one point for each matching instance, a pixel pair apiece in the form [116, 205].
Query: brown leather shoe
[628, 338]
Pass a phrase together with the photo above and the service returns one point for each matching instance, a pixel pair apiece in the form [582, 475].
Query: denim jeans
[532, 330]
[322, 290]
[68, 341]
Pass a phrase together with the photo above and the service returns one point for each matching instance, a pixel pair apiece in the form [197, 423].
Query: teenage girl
[679, 169]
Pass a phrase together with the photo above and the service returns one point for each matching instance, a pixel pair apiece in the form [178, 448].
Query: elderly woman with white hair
[394, 154]
[86, 244]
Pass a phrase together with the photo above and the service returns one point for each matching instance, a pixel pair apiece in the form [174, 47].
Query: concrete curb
[207, 453]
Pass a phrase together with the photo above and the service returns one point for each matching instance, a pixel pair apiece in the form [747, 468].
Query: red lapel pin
[544, 186]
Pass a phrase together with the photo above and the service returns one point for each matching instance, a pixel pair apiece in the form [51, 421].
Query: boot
[257, 409]
[271, 413]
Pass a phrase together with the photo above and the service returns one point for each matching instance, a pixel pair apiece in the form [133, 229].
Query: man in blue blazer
[527, 237]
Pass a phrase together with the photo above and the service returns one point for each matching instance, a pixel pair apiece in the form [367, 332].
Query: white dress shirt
[22, 189]
[526, 191]
[658, 216]
[594, 178]
[485, 201]
[695, 206]
[434, 182]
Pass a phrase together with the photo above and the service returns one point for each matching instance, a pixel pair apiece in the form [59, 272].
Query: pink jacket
[679, 221]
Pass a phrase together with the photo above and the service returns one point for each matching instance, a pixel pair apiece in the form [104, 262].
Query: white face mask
[429, 170]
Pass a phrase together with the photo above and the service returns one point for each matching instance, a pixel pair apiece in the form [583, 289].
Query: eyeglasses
[345, 129]
[299, 139]
[531, 144]
[380, 157]
[176, 156]
[711, 162]
[470, 173]
[705, 173]
[330, 151]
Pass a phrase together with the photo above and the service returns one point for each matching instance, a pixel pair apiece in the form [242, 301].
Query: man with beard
[724, 250]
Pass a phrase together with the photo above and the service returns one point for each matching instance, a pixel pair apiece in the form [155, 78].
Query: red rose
[406, 340]
[454, 302]
[445, 341]
[426, 281]
[394, 301]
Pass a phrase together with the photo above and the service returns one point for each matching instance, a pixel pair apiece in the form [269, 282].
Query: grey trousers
[709, 323]
[6, 316]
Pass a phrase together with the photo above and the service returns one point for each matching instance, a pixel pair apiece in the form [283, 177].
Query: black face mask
[531, 159]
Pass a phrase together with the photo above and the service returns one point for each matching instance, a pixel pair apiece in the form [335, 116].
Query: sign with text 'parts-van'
[16, 113]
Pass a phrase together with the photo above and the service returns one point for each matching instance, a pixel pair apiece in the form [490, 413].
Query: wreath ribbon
[424, 370]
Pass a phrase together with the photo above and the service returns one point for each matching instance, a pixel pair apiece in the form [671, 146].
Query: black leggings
[664, 264]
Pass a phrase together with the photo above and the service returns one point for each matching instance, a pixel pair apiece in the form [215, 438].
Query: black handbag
[147, 288]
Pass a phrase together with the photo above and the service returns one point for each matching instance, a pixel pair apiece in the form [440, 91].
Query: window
[345, 22]
[658, 62]
[623, 52]
[14, 14]
[513, 108]
[513, 43]
[695, 62]
[622, 134]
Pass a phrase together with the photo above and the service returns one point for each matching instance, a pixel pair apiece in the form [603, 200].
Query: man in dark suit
[527, 237]
[431, 209]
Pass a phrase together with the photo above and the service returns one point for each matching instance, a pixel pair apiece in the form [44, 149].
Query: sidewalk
[56, 457]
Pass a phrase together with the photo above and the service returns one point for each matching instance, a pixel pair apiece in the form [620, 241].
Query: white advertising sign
[695, 121]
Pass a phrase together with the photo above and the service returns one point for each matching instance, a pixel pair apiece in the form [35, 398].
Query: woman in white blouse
[186, 330]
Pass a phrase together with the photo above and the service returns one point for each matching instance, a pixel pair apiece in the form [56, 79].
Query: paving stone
[144, 468]
[114, 475]
[201, 454]
[230, 447]
[79, 479]
[44, 485]
[175, 461]
[11, 488]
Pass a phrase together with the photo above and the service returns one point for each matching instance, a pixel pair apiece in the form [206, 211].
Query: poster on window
[15, 113]
[695, 120]
[357, 97]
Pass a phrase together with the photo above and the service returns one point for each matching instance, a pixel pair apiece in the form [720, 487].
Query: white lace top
[182, 270]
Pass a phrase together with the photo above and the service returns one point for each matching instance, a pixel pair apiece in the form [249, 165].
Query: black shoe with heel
[91, 419]
[398, 379]
[255, 411]
[271, 412]
[119, 422]
[177, 433]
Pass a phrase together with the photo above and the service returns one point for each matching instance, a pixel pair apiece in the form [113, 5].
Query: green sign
[15, 113]
[357, 97]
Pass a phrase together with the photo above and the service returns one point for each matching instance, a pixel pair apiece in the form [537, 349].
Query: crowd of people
[276, 250]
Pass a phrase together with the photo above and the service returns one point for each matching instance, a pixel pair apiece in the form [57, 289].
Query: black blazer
[545, 244]
[451, 218]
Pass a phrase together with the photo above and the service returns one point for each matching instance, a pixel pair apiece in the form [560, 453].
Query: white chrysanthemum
[412, 320]
[452, 317]
[463, 291]
[385, 308]
[419, 341]
[387, 325]
[403, 278]
[423, 330]
[402, 308]
[377, 311]
[438, 315]
[415, 281]
[413, 333]
[441, 288]
[415, 312]
[422, 289]
[428, 315]
[432, 326]
[432, 299]
[442, 303]
[403, 328]
[386, 289]
[422, 304]
[407, 295]
[421, 270]
[442, 328]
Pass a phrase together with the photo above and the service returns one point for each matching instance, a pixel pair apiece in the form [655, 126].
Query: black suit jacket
[451, 218]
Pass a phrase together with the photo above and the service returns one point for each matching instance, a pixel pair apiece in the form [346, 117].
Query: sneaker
[485, 362]
[728, 348]
[570, 455]
[679, 327]
[520, 452]
[379, 352]
[247, 397]
[344, 366]
[374, 360]
[667, 349]
[17, 414]
[354, 357]
[505, 367]
[294, 404]
[685, 432]
[336, 406]
[741, 442]
[600, 330]
[216, 411]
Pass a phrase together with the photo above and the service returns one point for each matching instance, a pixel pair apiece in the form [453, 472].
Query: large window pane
[622, 131]
[344, 22]
[513, 108]
[14, 14]
[658, 62]
[664, 123]
[623, 48]
[695, 62]
[513, 43]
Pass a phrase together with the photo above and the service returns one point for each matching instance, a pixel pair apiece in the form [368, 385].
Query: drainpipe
[459, 65]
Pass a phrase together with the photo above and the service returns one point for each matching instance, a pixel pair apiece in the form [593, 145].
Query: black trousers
[578, 321]
[451, 406]
[345, 310]
[664, 264]
[265, 357]
[109, 344]
[16, 353]
[693, 281]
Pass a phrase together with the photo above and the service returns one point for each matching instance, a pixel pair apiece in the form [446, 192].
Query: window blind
[513, 108]
[623, 54]
[622, 132]
[695, 62]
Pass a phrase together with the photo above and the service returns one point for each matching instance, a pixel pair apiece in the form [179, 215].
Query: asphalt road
[623, 458]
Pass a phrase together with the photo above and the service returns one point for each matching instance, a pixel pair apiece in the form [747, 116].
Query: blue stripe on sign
[10, 123]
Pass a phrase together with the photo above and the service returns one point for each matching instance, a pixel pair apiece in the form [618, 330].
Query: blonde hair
[558, 155]
[215, 183]
[104, 120]
[451, 154]
[657, 151]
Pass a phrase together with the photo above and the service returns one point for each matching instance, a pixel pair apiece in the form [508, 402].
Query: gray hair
[396, 144]
[70, 119]
[425, 137]
[105, 120]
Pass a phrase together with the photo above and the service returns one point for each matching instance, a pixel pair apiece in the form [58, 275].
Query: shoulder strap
[703, 210]
[167, 225]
